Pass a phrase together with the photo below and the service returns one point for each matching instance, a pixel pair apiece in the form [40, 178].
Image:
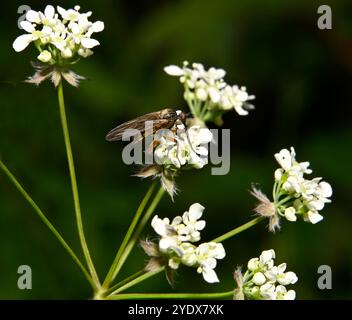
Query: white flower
[298, 195]
[283, 294]
[267, 256]
[174, 70]
[188, 255]
[313, 217]
[267, 291]
[287, 278]
[184, 148]
[192, 223]
[259, 279]
[265, 281]
[285, 158]
[209, 87]
[169, 239]
[253, 264]
[290, 214]
[70, 35]
[175, 243]
[207, 253]
[237, 98]
[44, 56]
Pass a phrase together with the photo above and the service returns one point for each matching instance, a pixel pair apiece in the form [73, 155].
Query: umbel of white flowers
[263, 280]
[179, 149]
[294, 195]
[175, 246]
[62, 38]
[207, 94]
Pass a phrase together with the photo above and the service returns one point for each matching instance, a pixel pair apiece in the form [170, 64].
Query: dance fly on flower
[163, 119]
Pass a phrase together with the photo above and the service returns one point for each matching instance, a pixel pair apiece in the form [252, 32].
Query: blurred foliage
[301, 77]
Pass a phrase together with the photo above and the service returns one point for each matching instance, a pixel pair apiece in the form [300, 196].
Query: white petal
[49, 11]
[239, 109]
[209, 275]
[27, 26]
[209, 263]
[259, 279]
[33, 16]
[202, 151]
[325, 189]
[316, 205]
[287, 278]
[284, 159]
[22, 42]
[174, 263]
[214, 95]
[44, 56]
[89, 43]
[290, 214]
[292, 277]
[267, 255]
[195, 211]
[62, 11]
[67, 53]
[205, 136]
[97, 26]
[281, 268]
[159, 226]
[200, 225]
[166, 243]
[314, 217]
[174, 70]
[253, 264]
[201, 94]
[290, 295]
[278, 174]
[74, 27]
[219, 252]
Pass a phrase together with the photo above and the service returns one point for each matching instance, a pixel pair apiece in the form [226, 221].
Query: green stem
[138, 231]
[130, 296]
[47, 222]
[124, 281]
[137, 280]
[128, 235]
[238, 229]
[82, 239]
[282, 201]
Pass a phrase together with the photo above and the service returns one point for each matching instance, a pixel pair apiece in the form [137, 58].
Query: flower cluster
[176, 246]
[294, 195]
[302, 196]
[265, 281]
[59, 35]
[183, 149]
[61, 38]
[207, 94]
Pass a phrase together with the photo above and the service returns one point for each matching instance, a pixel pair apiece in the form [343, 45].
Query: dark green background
[301, 77]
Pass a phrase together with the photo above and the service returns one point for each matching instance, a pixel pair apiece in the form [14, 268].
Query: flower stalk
[75, 194]
[193, 296]
[238, 230]
[128, 236]
[120, 259]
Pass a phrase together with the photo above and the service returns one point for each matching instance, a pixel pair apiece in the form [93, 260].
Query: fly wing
[137, 124]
